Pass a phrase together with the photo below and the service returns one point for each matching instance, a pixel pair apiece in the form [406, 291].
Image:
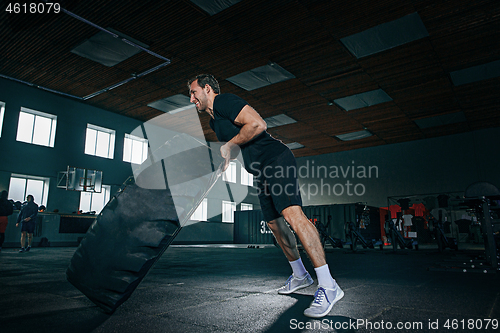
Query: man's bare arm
[251, 124]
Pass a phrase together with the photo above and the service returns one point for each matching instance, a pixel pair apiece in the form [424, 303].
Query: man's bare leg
[285, 238]
[328, 292]
[308, 234]
[23, 239]
[30, 239]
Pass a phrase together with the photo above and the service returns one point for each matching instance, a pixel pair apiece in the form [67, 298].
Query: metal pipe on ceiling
[124, 81]
[39, 87]
[166, 62]
[113, 34]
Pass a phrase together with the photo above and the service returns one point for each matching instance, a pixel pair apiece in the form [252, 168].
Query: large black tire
[123, 243]
[141, 221]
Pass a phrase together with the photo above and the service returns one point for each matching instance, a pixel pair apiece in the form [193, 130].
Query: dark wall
[444, 164]
[72, 118]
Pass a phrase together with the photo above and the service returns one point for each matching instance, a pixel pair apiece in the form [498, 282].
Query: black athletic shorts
[29, 227]
[278, 186]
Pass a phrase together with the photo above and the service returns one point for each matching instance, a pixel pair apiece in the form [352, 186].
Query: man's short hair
[30, 196]
[203, 80]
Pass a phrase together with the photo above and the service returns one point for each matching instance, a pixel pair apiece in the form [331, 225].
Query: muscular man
[238, 124]
[27, 217]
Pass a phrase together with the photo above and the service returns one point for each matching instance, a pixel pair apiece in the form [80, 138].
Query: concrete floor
[233, 289]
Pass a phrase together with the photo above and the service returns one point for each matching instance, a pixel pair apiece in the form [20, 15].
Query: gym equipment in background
[352, 230]
[323, 233]
[436, 227]
[391, 228]
[484, 198]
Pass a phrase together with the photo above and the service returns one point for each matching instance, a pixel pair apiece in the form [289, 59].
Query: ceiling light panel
[445, 119]
[363, 100]
[354, 135]
[294, 145]
[172, 104]
[476, 73]
[213, 7]
[279, 120]
[386, 36]
[260, 77]
[106, 49]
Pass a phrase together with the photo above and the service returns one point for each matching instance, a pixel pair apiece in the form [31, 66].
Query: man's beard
[201, 109]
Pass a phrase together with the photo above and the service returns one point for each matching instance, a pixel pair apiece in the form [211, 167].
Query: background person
[6, 209]
[27, 218]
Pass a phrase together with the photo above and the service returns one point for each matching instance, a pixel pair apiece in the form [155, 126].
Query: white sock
[324, 277]
[298, 268]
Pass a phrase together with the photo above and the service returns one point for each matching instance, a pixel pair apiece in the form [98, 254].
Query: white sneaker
[294, 283]
[324, 299]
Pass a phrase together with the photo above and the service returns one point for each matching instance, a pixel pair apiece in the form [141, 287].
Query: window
[2, 110]
[201, 213]
[20, 186]
[246, 177]
[228, 209]
[93, 201]
[100, 141]
[135, 149]
[230, 174]
[245, 206]
[36, 127]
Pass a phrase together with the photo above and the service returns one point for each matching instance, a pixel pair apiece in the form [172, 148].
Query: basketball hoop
[87, 184]
[80, 179]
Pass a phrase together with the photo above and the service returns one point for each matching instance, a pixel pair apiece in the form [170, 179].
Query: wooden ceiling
[302, 36]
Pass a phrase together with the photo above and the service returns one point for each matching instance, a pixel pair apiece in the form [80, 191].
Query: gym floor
[232, 288]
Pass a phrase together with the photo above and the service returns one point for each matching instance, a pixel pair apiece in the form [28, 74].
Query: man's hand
[228, 152]
[27, 219]
[17, 225]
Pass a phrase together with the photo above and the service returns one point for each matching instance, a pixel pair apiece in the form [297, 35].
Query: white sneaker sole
[320, 315]
[287, 292]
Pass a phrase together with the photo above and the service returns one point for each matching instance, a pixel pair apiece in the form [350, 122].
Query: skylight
[213, 7]
[363, 100]
[354, 135]
[476, 73]
[279, 120]
[106, 49]
[260, 77]
[445, 119]
[295, 145]
[172, 104]
[386, 36]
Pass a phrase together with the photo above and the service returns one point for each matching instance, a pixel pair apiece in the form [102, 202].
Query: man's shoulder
[226, 97]
[228, 105]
